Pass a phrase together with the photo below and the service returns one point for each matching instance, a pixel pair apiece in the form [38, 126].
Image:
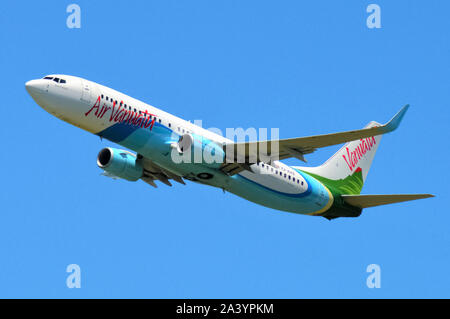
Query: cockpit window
[57, 80]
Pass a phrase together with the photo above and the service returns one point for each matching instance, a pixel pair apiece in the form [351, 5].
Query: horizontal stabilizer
[364, 201]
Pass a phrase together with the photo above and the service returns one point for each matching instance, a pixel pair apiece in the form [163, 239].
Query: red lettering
[105, 108]
[144, 119]
[347, 162]
[353, 157]
[112, 112]
[96, 106]
[153, 122]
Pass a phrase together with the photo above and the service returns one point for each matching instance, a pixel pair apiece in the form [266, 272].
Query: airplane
[251, 169]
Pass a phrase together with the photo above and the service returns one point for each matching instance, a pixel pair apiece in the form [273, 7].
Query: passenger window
[102, 96]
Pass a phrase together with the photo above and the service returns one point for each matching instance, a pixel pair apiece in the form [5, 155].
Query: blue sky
[306, 67]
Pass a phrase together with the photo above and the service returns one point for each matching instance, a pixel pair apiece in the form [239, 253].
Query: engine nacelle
[120, 163]
[199, 150]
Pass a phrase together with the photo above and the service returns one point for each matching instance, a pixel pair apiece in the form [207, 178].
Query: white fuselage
[151, 132]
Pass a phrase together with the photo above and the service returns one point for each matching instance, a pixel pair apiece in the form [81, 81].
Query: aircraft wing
[153, 172]
[239, 155]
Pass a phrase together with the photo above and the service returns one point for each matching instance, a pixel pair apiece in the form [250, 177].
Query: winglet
[395, 121]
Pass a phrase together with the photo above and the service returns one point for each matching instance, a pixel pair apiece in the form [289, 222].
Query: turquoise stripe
[308, 191]
[120, 131]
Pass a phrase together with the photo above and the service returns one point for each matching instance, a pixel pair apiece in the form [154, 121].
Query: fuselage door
[85, 92]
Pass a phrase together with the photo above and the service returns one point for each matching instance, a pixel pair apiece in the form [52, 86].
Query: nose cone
[35, 87]
[38, 90]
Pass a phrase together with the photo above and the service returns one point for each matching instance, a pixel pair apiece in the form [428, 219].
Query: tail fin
[347, 169]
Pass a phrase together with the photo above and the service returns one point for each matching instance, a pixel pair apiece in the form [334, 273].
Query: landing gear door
[85, 92]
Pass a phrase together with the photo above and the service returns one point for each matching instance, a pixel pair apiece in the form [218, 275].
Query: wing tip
[397, 119]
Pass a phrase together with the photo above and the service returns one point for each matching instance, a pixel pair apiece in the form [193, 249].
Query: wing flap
[153, 172]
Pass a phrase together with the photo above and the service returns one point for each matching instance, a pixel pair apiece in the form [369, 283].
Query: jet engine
[120, 163]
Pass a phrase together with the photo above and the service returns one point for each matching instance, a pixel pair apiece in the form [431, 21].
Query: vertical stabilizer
[347, 169]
